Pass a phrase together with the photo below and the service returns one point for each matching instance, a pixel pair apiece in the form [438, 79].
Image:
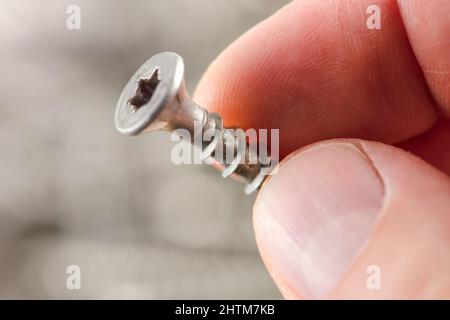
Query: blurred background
[75, 191]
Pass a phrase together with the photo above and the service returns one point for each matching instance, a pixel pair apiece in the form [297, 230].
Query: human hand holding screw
[335, 207]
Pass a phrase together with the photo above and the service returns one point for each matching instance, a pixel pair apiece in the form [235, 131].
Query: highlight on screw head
[151, 97]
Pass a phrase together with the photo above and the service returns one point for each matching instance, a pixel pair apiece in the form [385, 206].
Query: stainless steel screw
[155, 98]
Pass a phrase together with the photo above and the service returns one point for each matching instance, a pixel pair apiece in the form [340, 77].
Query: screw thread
[245, 164]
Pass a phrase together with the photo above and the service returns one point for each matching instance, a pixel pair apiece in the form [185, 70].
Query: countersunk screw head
[152, 96]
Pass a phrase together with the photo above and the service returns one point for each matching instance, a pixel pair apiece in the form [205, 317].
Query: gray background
[74, 191]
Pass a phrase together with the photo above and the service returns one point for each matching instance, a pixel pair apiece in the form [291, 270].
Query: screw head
[152, 96]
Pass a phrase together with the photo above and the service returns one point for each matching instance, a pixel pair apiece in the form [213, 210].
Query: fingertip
[338, 210]
[310, 218]
[298, 72]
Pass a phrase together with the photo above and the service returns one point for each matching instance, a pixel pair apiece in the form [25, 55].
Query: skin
[378, 193]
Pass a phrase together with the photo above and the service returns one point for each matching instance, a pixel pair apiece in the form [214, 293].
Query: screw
[155, 98]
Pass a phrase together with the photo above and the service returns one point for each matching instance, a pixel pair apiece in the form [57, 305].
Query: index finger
[315, 71]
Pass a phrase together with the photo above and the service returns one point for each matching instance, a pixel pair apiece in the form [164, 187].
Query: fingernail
[313, 216]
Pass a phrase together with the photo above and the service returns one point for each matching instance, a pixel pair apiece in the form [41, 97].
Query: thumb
[356, 219]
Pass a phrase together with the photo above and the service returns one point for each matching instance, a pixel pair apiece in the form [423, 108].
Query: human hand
[337, 209]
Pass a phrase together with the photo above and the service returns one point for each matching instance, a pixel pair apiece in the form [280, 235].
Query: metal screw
[155, 98]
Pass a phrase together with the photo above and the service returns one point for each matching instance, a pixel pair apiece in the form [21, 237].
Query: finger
[337, 208]
[428, 26]
[315, 71]
[433, 146]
